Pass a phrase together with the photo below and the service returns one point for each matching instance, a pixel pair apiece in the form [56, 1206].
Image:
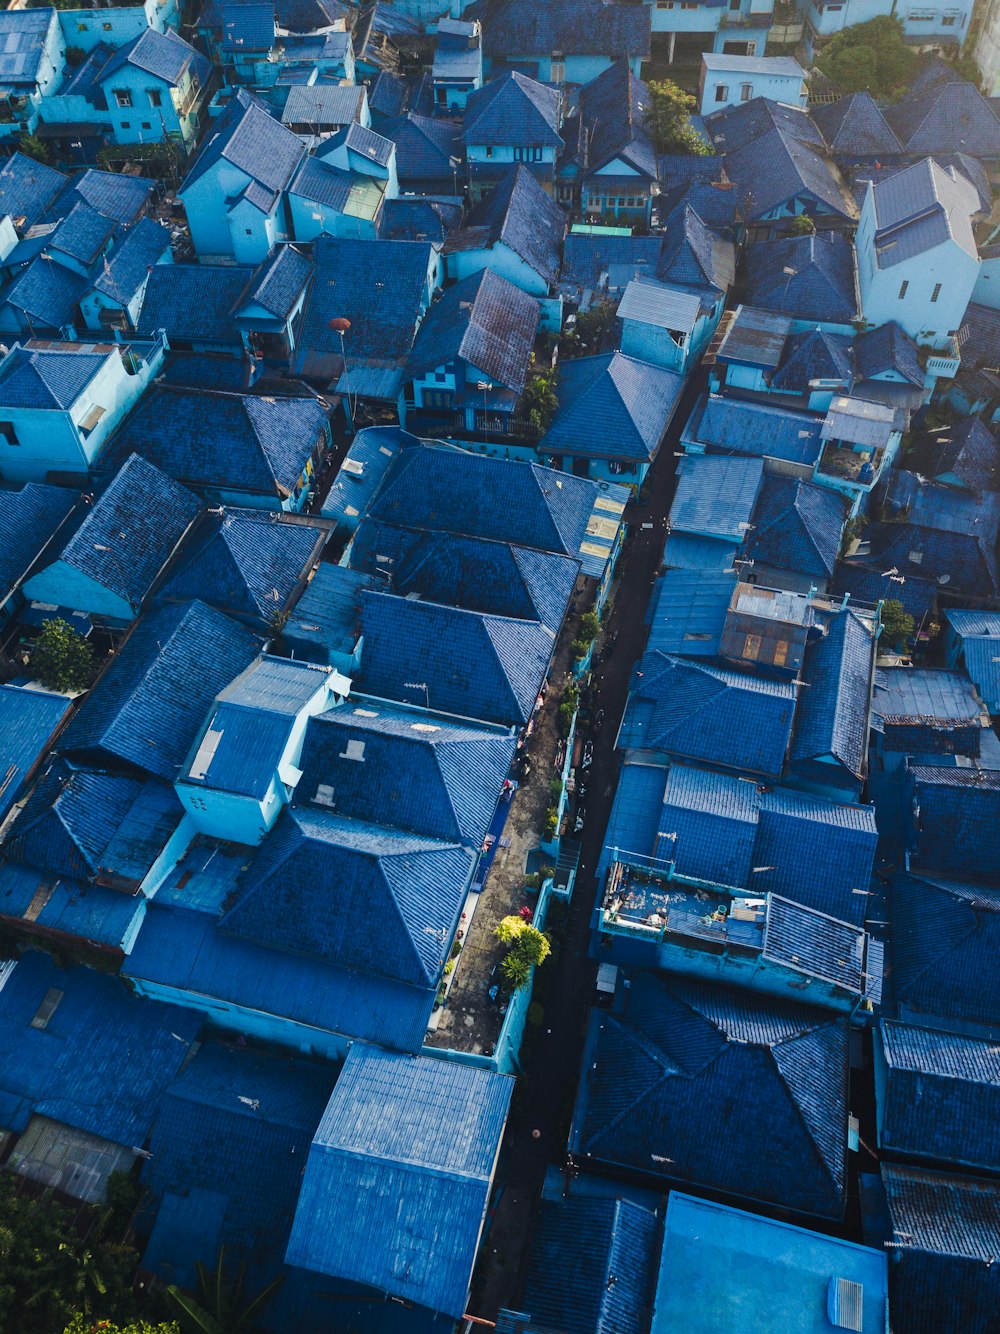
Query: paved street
[548, 1085]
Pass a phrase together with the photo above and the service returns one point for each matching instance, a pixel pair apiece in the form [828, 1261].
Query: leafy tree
[221, 1306]
[62, 659]
[668, 120]
[529, 947]
[870, 57]
[898, 626]
[31, 146]
[87, 1325]
[540, 401]
[803, 225]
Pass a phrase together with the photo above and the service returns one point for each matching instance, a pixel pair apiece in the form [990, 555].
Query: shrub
[62, 659]
[803, 225]
[529, 948]
[668, 119]
[898, 625]
[870, 57]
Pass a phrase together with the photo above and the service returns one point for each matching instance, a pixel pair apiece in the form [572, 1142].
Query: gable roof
[947, 116]
[779, 167]
[127, 266]
[194, 302]
[251, 139]
[612, 406]
[466, 663]
[149, 703]
[513, 109]
[411, 771]
[416, 1140]
[28, 189]
[427, 148]
[29, 519]
[888, 348]
[737, 126]
[964, 562]
[46, 293]
[700, 711]
[920, 208]
[117, 196]
[575, 27]
[805, 277]
[164, 55]
[518, 213]
[813, 355]
[714, 496]
[486, 321]
[353, 894]
[737, 1055]
[613, 109]
[28, 722]
[48, 377]
[239, 442]
[957, 828]
[855, 127]
[693, 255]
[832, 718]
[280, 280]
[967, 450]
[797, 526]
[731, 426]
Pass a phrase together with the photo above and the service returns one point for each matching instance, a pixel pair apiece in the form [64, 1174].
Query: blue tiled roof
[128, 264]
[415, 219]
[920, 208]
[242, 561]
[280, 280]
[699, 711]
[982, 662]
[129, 534]
[614, 107]
[958, 810]
[70, 913]
[148, 705]
[715, 203]
[28, 719]
[325, 625]
[476, 666]
[89, 825]
[199, 370]
[25, 35]
[922, 712]
[484, 320]
[946, 934]
[420, 773]
[233, 442]
[363, 470]
[855, 129]
[228, 1108]
[833, 713]
[805, 277]
[688, 611]
[968, 561]
[122, 198]
[612, 406]
[247, 27]
[715, 496]
[587, 258]
[251, 139]
[813, 355]
[797, 526]
[425, 147]
[591, 1266]
[953, 115]
[359, 139]
[81, 1068]
[945, 1237]
[46, 294]
[355, 895]
[493, 577]
[194, 302]
[942, 1096]
[83, 234]
[575, 27]
[29, 518]
[28, 189]
[888, 348]
[693, 256]
[399, 1174]
[818, 945]
[779, 168]
[729, 426]
[520, 214]
[449, 491]
[738, 1056]
[164, 55]
[635, 813]
[966, 452]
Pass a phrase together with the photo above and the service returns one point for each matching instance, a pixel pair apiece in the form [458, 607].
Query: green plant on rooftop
[668, 120]
[62, 659]
[31, 146]
[540, 400]
[87, 1325]
[871, 57]
[898, 626]
[803, 225]
[222, 1305]
[528, 948]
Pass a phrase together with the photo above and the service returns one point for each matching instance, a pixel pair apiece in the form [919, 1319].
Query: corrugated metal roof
[664, 307]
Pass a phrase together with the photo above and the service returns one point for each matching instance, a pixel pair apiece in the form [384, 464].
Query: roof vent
[48, 1007]
[845, 1304]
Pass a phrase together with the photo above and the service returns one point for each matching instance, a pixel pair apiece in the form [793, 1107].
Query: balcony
[847, 465]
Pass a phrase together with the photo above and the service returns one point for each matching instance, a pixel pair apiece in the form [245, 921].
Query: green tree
[62, 659]
[870, 57]
[668, 119]
[529, 947]
[803, 225]
[222, 1305]
[540, 401]
[898, 626]
[31, 146]
[87, 1325]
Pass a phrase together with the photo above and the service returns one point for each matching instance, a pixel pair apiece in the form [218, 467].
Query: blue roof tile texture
[513, 109]
[715, 496]
[29, 189]
[520, 214]
[888, 348]
[164, 55]
[738, 1056]
[45, 294]
[614, 107]
[251, 139]
[855, 129]
[194, 303]
[28, 720]
[47, 378]
[122, 198]
[729, 426]
[128, 264]
[804, 277]
[737, 126]
[575, 27]
[833, 713]
[460, 662]
[797, 526]
[280, 281]
[941, 119]
[398, 1177]
[612, 406]
[82, 1068]
[427, 148]
[147, 707]
[958, 810]
[29, 518]
[813, 355]
[779, 170]
[966, 453]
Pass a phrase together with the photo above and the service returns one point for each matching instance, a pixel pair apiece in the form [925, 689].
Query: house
[953, 812]
[723, 425]
[597, 266]
[672, 1038]
[123, 198]
[944, 1230]
[916, 252]
[233, 195]
[31, 519]
[29, 722]
[662, 325]
[325, 625]
[695, 260]
[469, 362]
[609, 166]
[155, 88]
[247, 564]
[944, 113]
[935, 1096]
[111, 562]
[341, 189]
[927, 711]
[969, 643]
[73, 1095]
[364, 468]
[415, 219]
[269, 309]
[682, 35]
[860, 440]
[255, 452]
[750, 347]
[242, 767]
[566, 42]
[810, 279]
[461, 662]
[965, 454]
[819, 1280]
[517, 231]
[711, 511]
[457, 71]
[59, 403]
[613, 413]
[815, 367]
[888, 369]
[148, 705]
[426, 1134]
[117, 290]
[34, 43]
[511, 119]
[428, 153]
[29, 190]
[726, 81]
[313, 110]
[195, 306]
[856, 131]
[795, 535]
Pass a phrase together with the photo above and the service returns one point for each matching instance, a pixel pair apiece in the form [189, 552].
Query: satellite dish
[943, 578]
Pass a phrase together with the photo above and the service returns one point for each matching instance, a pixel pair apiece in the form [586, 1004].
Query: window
[107, 26]
[937, 292]
[902, 288]
[81, 27]
[126, 124]
[948, 21]
[519, 154]
[721, 92]
[746, 92]
[734, 5]
[122, 96]
[536, 154]
[146, 125]
[558, 71]
[689, 4]
[489, 150]
[155, 97]
[781, 653]
[8, 433]
[751, 647]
